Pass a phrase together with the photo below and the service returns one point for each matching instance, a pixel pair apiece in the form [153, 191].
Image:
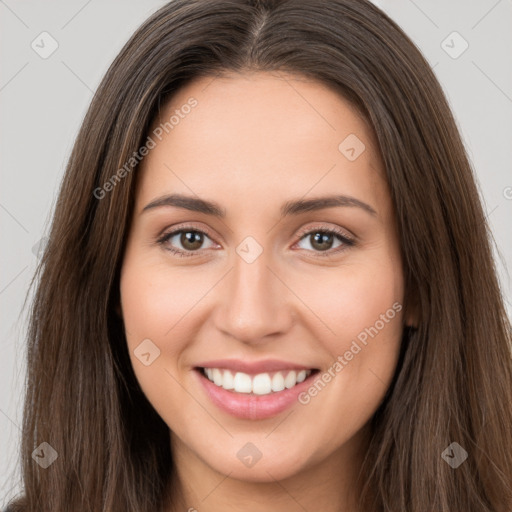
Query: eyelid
[323, 227]
[184, 226]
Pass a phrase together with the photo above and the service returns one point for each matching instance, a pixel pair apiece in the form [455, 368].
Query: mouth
[260, 384]
[254, 395]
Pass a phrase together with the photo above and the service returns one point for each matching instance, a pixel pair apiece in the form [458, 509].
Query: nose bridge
[254, 300]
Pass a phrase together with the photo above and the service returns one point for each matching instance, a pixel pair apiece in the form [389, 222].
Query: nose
[254, 303]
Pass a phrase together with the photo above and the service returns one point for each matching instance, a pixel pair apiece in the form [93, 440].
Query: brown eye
[185, 241]
[323, 241]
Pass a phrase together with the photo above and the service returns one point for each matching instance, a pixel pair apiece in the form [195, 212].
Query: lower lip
[253, 407]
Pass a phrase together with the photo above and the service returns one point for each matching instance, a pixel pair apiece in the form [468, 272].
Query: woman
[269, 283]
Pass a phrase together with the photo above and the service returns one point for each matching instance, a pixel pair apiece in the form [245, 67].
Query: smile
[254, 391]
[260, 384]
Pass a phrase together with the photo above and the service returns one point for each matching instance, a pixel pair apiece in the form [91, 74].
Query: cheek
[155, 306]
[361, 304]
[363, 308]
[155, 301]
[351, 299]
[164, 305]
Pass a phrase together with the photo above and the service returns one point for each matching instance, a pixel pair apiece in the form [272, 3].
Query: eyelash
[347, 242]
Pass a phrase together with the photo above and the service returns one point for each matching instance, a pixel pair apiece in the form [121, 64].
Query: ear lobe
[412, 315]
[411, 320]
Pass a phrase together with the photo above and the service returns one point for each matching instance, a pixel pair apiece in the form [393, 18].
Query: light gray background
[44, 100]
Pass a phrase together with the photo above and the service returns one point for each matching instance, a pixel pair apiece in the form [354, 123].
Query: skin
[253, 142]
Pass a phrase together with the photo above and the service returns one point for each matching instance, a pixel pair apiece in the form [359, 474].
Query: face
[262, 285]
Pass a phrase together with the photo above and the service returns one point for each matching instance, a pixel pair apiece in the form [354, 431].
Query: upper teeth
[261, 384]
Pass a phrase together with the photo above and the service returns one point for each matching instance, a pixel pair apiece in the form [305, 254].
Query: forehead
[260, 135]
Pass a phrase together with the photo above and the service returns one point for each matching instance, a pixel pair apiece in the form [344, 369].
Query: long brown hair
[454, 378]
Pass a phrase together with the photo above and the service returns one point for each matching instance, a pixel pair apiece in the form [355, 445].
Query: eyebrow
[294, 207]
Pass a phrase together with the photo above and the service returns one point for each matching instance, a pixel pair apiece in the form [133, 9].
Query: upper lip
[253, 367]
